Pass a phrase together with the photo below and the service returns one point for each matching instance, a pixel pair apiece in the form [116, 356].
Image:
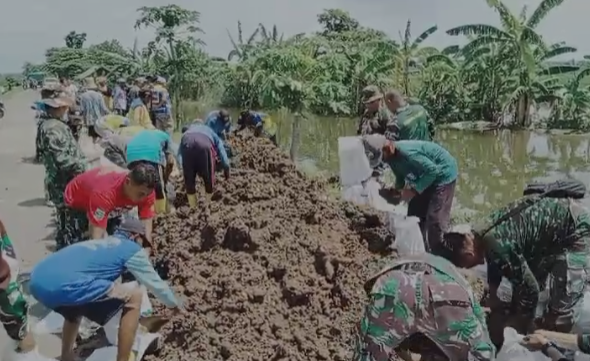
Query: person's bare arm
[97, 232]
[149, 224]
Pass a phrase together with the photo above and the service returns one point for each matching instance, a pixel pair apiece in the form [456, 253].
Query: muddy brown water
[494, 166]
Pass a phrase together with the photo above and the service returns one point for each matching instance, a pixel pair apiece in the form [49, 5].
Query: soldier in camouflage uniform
[412, 119]
[425, 295]
[63, 160]
[13, 303]
[526, 242]
[377, 119]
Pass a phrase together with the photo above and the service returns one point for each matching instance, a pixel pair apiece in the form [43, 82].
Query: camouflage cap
[373, 145]
[56, 102]
[371, 93]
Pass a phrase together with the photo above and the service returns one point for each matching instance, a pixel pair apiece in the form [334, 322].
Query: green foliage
[499, 75]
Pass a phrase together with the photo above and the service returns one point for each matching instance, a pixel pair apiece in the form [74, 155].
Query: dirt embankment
[271, 268]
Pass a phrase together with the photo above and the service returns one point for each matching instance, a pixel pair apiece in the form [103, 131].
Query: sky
[28, 27]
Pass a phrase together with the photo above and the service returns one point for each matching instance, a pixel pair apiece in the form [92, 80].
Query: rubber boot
[160, 206]
[192, 200]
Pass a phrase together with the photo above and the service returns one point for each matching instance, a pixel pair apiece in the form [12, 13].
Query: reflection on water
[494, 166]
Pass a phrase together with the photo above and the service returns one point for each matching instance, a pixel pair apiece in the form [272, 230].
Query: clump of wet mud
[271, 267]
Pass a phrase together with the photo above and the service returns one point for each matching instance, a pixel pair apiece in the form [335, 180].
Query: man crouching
[79, 281]
[422, 295]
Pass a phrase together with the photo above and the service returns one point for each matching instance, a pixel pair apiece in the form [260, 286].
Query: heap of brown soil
[270, 266]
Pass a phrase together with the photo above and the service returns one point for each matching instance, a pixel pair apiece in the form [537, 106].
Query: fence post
[295, 136]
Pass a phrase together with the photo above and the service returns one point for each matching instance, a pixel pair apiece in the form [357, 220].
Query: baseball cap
[132, 225]
[374, 144]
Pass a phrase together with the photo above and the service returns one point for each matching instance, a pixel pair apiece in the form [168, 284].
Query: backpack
[569, 188]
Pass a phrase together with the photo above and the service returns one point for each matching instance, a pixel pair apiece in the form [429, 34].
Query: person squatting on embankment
[98, 198]
[81, 281]
[153, 147]
[425, 175]
[527, 241]
[422, 294]
[197, 153]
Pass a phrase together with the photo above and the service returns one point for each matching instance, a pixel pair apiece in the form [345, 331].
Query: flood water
[494, 166]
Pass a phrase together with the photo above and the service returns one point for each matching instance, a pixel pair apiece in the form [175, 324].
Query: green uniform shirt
[414, 123]
[421, 164]
[532, 234]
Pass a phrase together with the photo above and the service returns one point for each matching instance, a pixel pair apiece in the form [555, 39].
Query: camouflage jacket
[59, 151]
[438, 288]
[379, 122]
[414, 123]
[523, 240]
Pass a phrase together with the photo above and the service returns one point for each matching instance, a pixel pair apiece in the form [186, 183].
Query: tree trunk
[295, 137]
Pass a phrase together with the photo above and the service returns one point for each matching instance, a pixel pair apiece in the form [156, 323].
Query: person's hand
[407, 194]
[534, 342]
[226, 173]
[548, 321]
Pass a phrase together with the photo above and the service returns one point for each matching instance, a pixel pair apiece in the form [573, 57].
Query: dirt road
[29, 221]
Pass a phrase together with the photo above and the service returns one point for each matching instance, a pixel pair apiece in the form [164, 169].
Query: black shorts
[100, 311]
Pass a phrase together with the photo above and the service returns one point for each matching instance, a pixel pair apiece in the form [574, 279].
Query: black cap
[132, 225]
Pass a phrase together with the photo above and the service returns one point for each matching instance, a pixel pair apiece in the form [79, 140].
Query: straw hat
[89, 83]
[56, 103]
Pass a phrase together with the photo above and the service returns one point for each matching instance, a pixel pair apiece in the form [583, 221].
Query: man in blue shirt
[153, 146]
[80, 281]
[198, 151]
[220, 122]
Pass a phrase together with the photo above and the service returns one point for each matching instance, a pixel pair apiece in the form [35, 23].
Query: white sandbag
[354, 165]
[111, 328]
[408, 237]
[513, 351]
[10, 354]
[53, 324]
[582, 324]
[367, 194]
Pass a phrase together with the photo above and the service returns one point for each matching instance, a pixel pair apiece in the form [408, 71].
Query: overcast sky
[28, 27]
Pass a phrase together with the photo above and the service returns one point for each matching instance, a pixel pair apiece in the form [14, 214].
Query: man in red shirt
[104, 193]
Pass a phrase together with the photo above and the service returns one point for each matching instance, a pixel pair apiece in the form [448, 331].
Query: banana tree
[242, 49]
[517, 37]
[571, 110]
[410, 54]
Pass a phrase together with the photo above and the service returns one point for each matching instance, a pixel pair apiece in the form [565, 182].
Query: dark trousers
[198, 159]
[433, 208]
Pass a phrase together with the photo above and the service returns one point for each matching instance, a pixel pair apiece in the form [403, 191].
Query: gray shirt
[92, 107]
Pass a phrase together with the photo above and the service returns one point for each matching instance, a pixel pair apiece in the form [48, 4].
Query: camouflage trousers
[13, 303]
[116, 156]
[407, 304]
[46, 187]
[71, 226]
